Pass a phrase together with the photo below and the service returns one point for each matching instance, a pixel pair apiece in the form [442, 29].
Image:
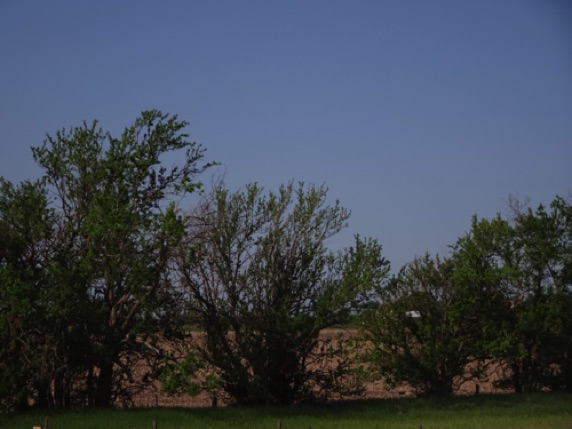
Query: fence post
[46, 423]
[154, 424]
[279, 424]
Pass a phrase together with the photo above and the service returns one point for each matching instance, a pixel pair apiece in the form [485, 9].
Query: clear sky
[416, 114]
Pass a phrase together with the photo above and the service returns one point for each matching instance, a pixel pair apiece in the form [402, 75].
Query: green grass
[548, 411]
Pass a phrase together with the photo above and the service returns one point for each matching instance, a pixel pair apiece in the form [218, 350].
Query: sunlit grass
[550, 411]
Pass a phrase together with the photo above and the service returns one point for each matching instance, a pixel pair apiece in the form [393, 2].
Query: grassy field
[548, 411]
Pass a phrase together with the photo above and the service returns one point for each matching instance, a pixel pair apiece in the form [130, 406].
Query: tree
[108, 225]
[418, 332]
[23, 216]
[262, 286]
[38, 361]
[518, 270]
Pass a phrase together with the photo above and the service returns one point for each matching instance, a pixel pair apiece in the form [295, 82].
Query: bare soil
[153, 396]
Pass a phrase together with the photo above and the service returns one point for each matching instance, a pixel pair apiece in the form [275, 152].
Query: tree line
[108, 260]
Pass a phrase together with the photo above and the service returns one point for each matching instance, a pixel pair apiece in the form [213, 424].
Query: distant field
[153, 396]
[546, 411]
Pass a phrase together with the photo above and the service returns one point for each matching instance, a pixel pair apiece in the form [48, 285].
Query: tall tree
[262, 286]
[117, 221]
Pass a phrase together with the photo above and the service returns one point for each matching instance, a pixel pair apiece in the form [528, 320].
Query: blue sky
[416, 114]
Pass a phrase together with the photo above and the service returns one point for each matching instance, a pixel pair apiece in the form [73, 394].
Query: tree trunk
[59, 387]
[90, 397]
[516, 381]
[103, 397]
[43, 395]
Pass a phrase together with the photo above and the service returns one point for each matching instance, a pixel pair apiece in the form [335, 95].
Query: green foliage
[518, 275]
[504, 295]
[92, 253]
[35, 311]
[181, 377]
[418, 330]
[262, 285]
